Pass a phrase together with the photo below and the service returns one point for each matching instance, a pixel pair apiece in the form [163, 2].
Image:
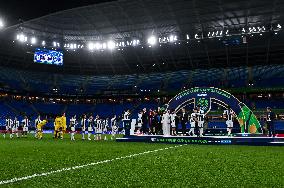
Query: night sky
[14, 10]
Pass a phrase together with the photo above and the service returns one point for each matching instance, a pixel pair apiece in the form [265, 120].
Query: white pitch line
[83, 166]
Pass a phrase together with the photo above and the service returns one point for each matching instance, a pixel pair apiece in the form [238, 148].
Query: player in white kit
[99, 128]
[83, 126]
[173, 122]
[114, 127]
[200, 119]
[193, 121]
[15, 127]
[90, 127]
[9, 123]
[229, 115]
[73, 123]
[166, 122]
[37, 121]
[26, 123]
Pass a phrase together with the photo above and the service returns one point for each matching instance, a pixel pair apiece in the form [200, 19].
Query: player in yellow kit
[57, 126]
[64, 125]
[39, 129]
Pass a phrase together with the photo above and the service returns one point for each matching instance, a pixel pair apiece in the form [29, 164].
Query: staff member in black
[270, 116]
[144, 121]
[183, 121]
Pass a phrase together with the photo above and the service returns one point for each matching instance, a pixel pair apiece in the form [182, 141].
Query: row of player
[97, 125]
[159, 123]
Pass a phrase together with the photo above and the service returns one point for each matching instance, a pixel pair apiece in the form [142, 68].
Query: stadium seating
[20, 80]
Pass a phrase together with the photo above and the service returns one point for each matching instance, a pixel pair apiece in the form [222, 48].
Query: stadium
[142, 93]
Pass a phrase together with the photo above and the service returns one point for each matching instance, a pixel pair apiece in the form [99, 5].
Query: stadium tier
[44, 82]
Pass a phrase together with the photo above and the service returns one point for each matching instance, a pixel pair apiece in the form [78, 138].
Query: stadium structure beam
[124, 12]
[113, 25]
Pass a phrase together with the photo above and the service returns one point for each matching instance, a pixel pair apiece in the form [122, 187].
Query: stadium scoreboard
[50, 57]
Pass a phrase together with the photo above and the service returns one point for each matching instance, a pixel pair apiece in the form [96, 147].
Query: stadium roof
[129, 19]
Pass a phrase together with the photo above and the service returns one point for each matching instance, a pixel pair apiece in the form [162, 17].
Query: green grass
[187, 166]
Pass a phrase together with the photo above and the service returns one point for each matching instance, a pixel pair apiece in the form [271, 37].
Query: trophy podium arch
[205, 97]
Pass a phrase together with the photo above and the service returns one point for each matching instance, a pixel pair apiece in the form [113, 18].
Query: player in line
[73, 123]
[39, 129]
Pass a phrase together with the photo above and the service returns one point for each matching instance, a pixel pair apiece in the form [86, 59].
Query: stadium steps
[12, 108]
[34, 108]
[65, 108]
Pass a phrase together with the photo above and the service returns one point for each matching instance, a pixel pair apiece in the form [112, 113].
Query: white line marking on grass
[83, 166]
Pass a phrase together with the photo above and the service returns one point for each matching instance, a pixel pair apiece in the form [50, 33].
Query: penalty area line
[13, 180]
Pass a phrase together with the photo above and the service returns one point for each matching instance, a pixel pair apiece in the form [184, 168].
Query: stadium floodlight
[104, 45]
[1, 23]
[43, 43]
[54, 44]
[152, 40]
[110, 45]
[33, 40]
[91, 46]
[22, 38]
[98, 46]
[172, 38]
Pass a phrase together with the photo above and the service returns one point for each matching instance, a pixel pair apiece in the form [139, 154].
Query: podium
[127, 126]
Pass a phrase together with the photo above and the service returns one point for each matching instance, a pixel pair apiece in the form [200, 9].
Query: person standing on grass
[270, 117]
[99, 128]
[37, 121]
[114, 127]
[64, 125]
[26, 123]
[83, 126]
[39, 129]
[57, 127]
[15, 128]
[9, 123]
[73, 123]
[90, 127]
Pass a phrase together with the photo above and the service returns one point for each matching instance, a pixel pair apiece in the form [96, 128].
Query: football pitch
[27, 162]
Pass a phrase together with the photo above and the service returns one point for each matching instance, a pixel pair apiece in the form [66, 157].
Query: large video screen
[50, 57]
